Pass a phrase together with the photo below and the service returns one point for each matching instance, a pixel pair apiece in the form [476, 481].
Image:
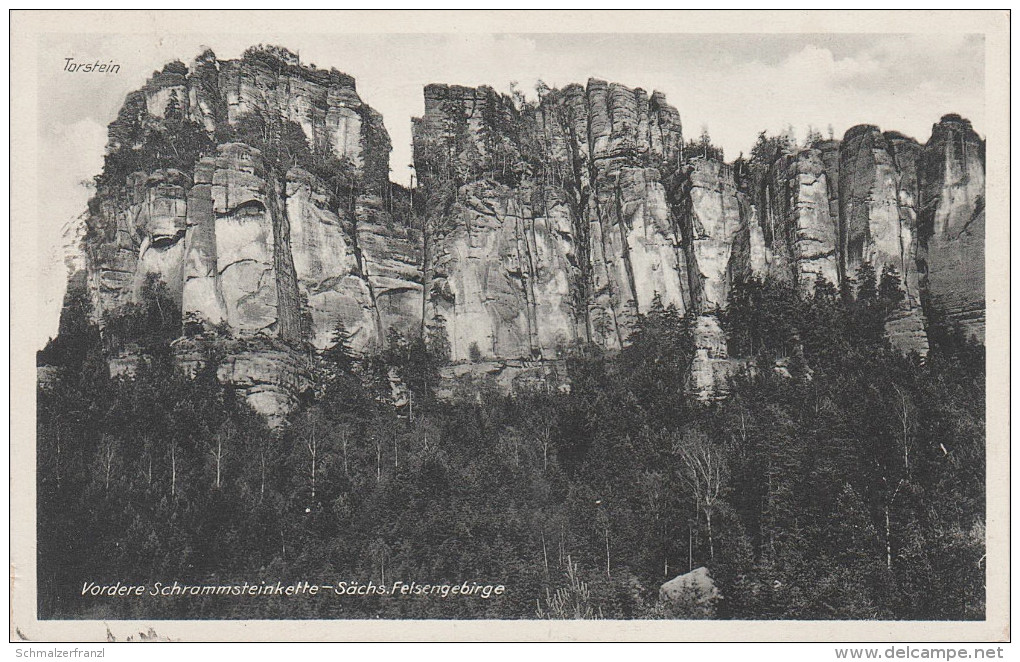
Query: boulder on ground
[691, 595]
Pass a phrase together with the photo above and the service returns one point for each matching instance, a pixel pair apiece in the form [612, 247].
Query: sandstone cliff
[560, 222]
[259, 253]
[951, 222]
[257, 192]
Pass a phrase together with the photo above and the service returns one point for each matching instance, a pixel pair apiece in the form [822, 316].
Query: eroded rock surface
[807, 227]
[952, 222]
[253, 245]
[566, 221]
[533, 227]
[878, 221]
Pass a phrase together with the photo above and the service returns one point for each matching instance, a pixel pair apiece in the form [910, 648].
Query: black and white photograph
[511, 325]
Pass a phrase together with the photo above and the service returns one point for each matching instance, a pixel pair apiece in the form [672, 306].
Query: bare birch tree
[701, 470]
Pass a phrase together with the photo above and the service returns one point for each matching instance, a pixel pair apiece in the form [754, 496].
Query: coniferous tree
[173, 112]
[339, 354]
[890, 291]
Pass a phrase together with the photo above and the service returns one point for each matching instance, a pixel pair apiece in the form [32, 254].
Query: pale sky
[735, 85]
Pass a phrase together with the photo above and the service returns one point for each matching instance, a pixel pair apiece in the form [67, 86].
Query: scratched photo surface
[511, 326]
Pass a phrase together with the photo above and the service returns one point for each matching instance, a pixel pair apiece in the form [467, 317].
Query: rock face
[951, 219]
[256, 192]
[878, 221]
[716, 239]
[255, 247]
[561, 223]
[553, 222]
[798, 220]
[711, 365]
[137, 233]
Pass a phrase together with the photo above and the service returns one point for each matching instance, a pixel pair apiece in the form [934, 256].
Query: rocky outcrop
[567, 220]
[563, 222]
[116, 236]
[594, 182]
[798, 220]
[557, 228]
[256, 191]
[499, 275]
[711, 365]
[691, 595]
[327, 265]
[270, 376]
[504, 376]
[246, 242]
[952, 222]
[324, 103]
[277, 230]
[716, 240]
[710, 221]
[878, 222]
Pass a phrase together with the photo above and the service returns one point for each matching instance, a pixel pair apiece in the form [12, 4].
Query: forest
[837, 479]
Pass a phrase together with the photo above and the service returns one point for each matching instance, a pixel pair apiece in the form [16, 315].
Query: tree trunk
[314, 449]
[711, 544]
[770, 523]
[343, 441]
[690, 548]
[219, 460]
[262, 475]
[607, 552]
[888, 541]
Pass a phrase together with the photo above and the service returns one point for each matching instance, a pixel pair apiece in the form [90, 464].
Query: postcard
[509, 325]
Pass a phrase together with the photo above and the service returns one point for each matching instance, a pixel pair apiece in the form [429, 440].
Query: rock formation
[263, 256]
[560, 223]
[878, 221]
[951, 222]
[798, 216]
[691, 595]
[256, 191]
